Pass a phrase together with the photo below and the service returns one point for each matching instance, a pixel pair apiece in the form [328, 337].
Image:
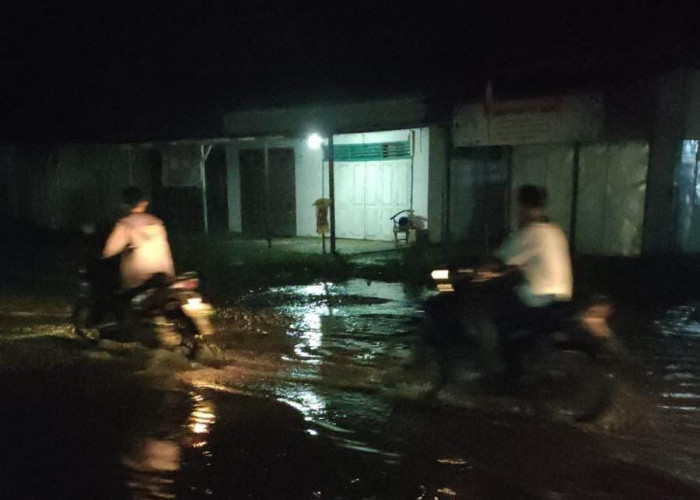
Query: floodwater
[311, 400]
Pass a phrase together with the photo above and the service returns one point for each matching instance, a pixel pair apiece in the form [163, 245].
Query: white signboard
[548, 120]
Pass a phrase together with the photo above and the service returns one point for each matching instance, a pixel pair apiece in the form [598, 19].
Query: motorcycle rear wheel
[572, 386]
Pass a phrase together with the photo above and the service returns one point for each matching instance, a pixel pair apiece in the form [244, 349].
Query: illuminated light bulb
[314, 141]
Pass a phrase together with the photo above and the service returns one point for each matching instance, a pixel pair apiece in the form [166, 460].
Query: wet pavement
[311, 400]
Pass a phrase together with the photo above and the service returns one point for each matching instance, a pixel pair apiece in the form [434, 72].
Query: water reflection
[344, 337]
[152, 469]
[306, 401]
[667, 348]
[153, 463]
[357, 322]
[681, 321]
[201, 420]
[310, 335]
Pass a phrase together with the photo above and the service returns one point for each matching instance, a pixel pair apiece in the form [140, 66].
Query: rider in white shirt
[539, 250]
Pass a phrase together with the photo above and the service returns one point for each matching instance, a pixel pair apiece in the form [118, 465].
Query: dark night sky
[157, 69]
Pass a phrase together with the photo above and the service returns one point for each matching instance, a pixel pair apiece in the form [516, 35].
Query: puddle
[300, 410]
[666, 402]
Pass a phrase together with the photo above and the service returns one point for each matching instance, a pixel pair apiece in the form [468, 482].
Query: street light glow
[314, 141]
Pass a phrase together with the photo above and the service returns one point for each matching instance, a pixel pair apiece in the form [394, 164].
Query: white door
[368, 194]
[350, 200]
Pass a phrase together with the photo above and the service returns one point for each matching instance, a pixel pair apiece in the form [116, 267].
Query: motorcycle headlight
[195, 307]
[440, 274]
[194, 303]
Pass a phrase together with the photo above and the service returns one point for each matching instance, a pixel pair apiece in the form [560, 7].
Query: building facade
[620, 164]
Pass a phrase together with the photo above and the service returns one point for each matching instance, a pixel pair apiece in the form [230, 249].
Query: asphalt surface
[310, 399]
[310, 396]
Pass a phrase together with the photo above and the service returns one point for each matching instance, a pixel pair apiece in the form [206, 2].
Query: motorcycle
[163, 312]
[562, 363]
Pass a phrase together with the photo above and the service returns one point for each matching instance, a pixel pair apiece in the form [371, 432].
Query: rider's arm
[498, 265]
[520, 249]
[117, 241]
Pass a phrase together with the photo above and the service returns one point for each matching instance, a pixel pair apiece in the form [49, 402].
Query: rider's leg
[518, 325]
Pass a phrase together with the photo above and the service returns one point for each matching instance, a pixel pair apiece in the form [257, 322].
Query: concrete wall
[668, 132]
[311, 184]
[437, 180]
[421, 174]
[233, 188]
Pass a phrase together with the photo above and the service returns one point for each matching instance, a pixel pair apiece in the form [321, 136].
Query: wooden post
[130, 158]
[331, 190]
[203, 154]
[574, 197]
[266, 153]
[446, 191]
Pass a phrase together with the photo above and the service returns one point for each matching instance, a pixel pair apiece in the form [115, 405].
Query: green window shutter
[370, 152]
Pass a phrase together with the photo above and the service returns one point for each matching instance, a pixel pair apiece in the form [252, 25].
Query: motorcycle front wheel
[194, 332]
[82, 322]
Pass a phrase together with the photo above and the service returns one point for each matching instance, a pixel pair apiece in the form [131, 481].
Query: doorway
[268, 199]
[479, 197]
[217, 201]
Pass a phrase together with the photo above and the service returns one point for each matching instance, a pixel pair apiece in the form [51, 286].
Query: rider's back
[541, 250]
[143, 241]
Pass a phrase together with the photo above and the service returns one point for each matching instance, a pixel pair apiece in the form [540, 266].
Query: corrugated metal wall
[610, 180]
[611, 195]
[551, 167]
[611, 198]
[60, 188]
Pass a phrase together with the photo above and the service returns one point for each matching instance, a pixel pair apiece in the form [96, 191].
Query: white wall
[421, 169]
[309, 175]
[312, 178]
[437, 197]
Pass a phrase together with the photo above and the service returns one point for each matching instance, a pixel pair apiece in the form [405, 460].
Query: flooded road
[310, 400]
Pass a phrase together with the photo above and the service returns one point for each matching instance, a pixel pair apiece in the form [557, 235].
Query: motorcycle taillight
[188, 284]
[601, 310]
[595, 319]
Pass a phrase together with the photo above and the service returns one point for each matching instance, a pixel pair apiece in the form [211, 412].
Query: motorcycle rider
[141, 241]
[539, 251]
